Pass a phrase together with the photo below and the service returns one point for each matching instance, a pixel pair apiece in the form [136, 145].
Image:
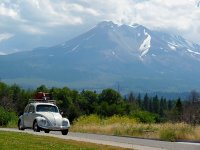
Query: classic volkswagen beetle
[43, 116]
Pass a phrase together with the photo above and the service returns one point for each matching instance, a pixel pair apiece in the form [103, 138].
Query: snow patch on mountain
[73, 49]
[134, 25]
[1, 53]
[172, 45]
[113, 53]
[198, 3]
[197, 53]
[145, 46]
[153, 55]
[88, 38]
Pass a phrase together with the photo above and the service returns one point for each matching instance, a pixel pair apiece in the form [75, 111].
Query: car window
[31, 109]
[26, 109]
[46, 108]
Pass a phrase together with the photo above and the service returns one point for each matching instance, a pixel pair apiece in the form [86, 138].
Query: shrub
[7, 117]
[91, 119]
[4, 117]
[13, 119]
[144, 116]
[119, 120]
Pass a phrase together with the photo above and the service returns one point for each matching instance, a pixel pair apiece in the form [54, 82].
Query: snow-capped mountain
[134, 57]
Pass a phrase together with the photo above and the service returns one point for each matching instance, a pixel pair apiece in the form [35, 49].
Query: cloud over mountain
[46, 22]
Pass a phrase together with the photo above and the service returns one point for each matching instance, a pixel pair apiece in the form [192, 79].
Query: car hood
[54, 119]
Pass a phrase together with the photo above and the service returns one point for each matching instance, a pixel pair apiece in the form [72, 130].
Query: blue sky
[25, 24]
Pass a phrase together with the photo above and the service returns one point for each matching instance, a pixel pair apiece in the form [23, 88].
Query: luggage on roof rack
[42, 97]
[42, 101]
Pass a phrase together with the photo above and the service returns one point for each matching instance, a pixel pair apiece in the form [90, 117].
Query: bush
[91, 119]
[144, 116]
[119, 120]
[4, 117]
[7, 117]
[13, 120]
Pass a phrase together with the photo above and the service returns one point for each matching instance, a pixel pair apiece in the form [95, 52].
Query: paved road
[127, 142]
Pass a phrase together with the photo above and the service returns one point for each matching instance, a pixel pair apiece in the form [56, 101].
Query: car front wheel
[20, 125]
[36, 128]
[64, 132]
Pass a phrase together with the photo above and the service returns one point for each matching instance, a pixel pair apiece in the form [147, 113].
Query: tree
[156, 105]
[110, 96]
[176, 113]
[91, 100]
[191, 112]
[131, 98]
[178, 110]
[162, 107]
[194, 95]
[139, 100]
[170, 105]
[132, 102]
[146, 102]
[150, 107]
[42, 88]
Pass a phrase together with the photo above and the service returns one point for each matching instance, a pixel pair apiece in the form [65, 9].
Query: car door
[25, 116]
[31, 116]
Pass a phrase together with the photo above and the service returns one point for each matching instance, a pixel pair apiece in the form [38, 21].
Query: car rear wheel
[65, 132]
[46, 131]
[36, 128]
[20, 125]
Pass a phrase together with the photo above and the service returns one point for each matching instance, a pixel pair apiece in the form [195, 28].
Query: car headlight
[43, 122]
[65, 123]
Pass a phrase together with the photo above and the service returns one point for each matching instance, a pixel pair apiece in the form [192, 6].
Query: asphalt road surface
[126, 142]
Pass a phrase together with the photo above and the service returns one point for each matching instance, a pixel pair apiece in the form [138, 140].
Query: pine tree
[156, 105]
[179, 110]
[146, 102]
[139, 101]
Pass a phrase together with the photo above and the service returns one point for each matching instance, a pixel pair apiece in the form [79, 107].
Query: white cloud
[5, 36]
[54, 13]
[31, 29]
[10, 10]
[5, 11]
[180, 16]
[57, 18]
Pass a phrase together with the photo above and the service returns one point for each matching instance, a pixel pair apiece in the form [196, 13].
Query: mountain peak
[107, 24]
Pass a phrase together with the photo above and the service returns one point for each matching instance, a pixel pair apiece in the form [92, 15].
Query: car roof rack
[42, 101]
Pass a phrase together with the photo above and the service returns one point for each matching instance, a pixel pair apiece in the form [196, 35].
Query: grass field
[124, 126]
[24, 141]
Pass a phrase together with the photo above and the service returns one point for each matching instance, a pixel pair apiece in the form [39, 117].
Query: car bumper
[55, 128]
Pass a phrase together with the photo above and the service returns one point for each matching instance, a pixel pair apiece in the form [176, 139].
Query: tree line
[107, 103]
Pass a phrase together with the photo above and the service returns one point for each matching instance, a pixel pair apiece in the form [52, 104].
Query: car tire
[46, 131]
[65, 132]
[20, 125]
[36, 128]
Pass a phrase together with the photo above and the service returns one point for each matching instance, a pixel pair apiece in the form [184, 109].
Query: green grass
[24, 141]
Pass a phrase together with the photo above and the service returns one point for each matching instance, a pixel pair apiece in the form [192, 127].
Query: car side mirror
[61, 112]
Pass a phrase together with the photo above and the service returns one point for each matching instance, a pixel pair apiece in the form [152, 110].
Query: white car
[43, 116]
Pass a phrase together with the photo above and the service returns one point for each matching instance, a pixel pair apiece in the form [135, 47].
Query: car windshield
[46, 108]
